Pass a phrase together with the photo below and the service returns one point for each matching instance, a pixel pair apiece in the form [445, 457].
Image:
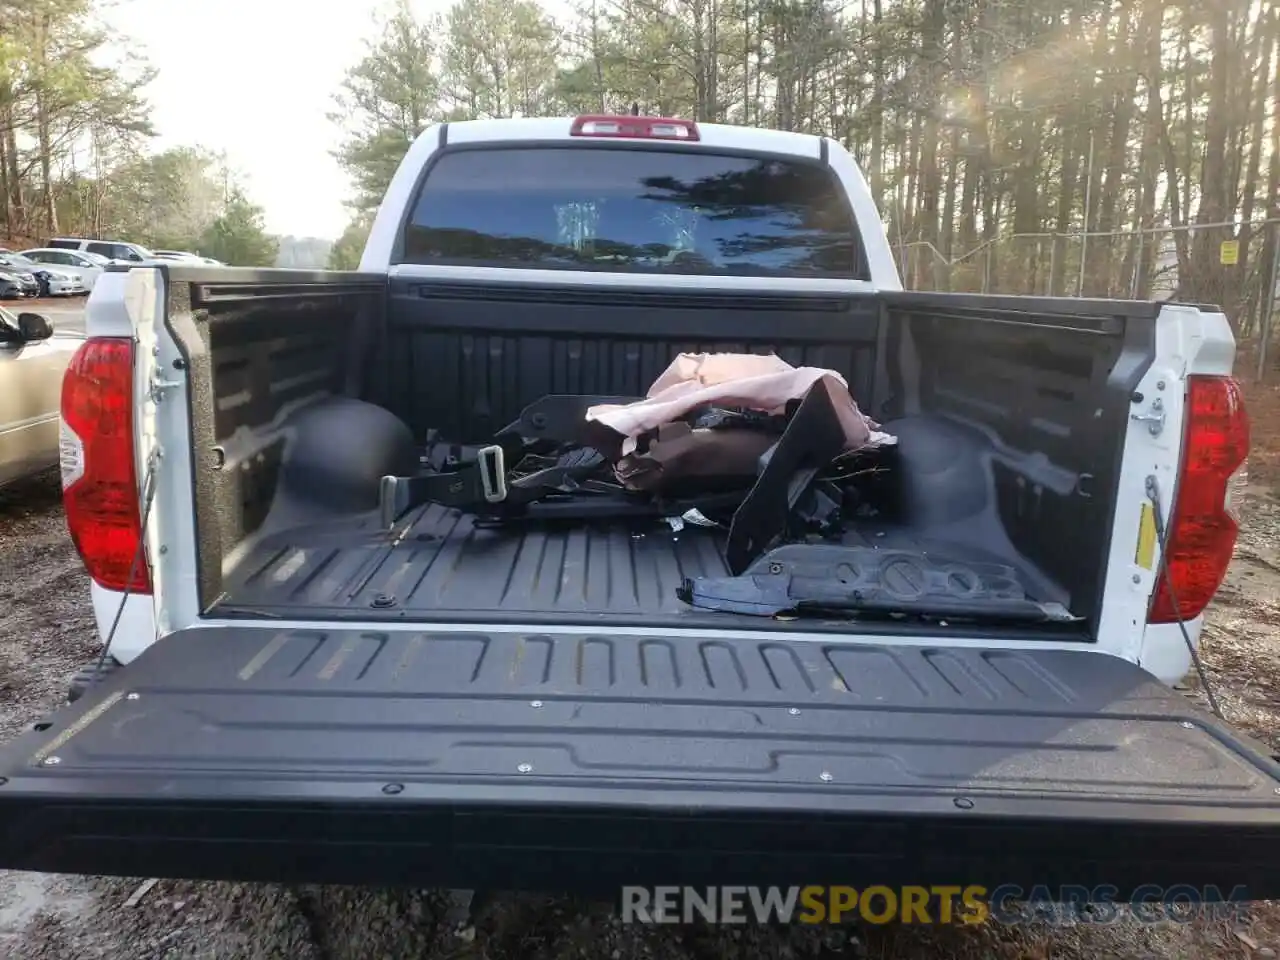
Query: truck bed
[498, 758]
[1011, 414]
[441, 567]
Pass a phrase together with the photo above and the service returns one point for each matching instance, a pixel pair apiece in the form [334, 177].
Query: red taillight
[634, 128]
[99, 482]
[1202, 533]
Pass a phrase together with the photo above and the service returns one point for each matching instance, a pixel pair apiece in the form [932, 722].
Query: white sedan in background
[87, 266]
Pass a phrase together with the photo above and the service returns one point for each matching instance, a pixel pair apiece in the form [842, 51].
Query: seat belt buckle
[493, 473]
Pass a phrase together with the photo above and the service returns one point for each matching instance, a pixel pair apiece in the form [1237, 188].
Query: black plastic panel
[597, 757]
[466, 359]
[879, 719]
[445, 567]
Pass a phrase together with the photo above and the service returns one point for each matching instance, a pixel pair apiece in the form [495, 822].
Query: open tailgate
[507, 760]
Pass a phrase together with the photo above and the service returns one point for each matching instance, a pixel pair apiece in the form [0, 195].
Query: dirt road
[46, 631]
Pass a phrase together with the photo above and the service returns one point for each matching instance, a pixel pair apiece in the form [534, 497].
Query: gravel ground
[46, 632]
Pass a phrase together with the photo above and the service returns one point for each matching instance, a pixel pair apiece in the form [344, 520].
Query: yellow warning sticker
[1229, 253]
[1145, 555]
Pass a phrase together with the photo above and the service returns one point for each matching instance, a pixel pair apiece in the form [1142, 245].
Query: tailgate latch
[1154, 420]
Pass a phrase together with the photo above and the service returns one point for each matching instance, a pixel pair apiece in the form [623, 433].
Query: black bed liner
[563, 761]
[440, 563]
[443, 566]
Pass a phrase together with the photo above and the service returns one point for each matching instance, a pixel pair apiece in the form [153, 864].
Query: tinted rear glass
[635, 211]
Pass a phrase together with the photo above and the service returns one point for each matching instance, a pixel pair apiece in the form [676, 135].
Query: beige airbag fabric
[750, 381]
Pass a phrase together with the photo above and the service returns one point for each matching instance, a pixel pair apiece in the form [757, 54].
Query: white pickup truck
[291, 689]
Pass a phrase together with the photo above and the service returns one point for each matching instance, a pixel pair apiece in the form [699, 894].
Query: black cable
[1153, 493]
[149, 491]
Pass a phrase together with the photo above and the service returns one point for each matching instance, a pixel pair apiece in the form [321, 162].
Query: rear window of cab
[634, 210]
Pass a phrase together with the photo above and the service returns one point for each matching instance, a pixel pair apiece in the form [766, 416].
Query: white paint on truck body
[1187, 341]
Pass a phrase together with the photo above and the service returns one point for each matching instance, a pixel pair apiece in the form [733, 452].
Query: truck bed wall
[1041, 389]
[482, 354]
[1029, 396]
[257, 347]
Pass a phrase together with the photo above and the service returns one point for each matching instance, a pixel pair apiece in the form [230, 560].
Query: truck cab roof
[711, 136]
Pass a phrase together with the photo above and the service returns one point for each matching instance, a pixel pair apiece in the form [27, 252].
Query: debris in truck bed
[780, 457]
[738, 440]
[822, 577]
[762, 382]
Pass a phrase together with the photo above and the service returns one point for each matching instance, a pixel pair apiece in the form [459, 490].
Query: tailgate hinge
[1154, 420]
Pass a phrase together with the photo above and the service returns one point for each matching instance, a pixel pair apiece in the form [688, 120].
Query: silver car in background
[50, 281]
[87, 266]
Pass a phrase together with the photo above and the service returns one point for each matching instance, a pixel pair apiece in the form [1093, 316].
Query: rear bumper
[575, 762]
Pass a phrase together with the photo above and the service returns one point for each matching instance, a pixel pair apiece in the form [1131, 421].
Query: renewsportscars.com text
[973, 904]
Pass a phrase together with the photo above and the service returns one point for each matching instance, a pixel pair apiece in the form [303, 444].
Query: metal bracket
[159, 385]
[493, 473]
[1154, 420]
